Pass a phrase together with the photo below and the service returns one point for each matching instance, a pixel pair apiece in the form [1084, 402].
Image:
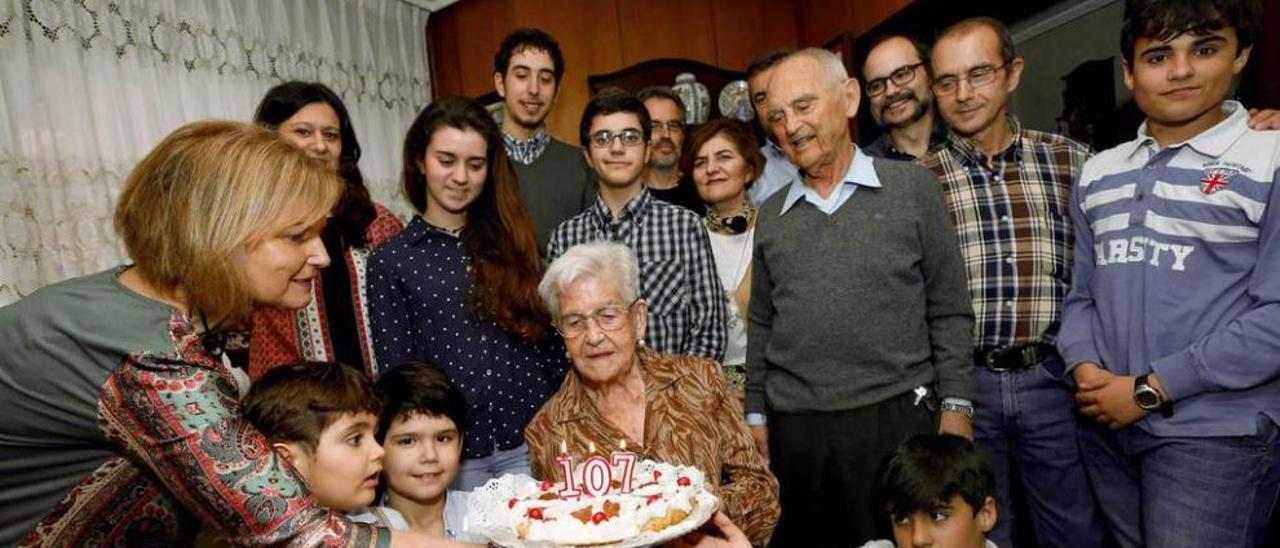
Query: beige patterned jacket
[690, 419]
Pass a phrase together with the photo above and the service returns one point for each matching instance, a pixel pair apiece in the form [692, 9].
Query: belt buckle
[992, 356]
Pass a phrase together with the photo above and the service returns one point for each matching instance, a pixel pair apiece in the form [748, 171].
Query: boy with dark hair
[554, 181]
[938, 490]
[421, 428]
[677, 269]
[1163, 20]
[608, 101]
[1169, 328]
[320, 418]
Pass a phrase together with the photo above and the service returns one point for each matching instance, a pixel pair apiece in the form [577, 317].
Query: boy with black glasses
[677, 268]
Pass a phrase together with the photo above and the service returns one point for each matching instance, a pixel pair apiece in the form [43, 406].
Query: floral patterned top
[690, 419]
[280, 337]
[183, 455]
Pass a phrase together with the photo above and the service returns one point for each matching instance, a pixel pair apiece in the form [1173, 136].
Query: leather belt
[1008, 358]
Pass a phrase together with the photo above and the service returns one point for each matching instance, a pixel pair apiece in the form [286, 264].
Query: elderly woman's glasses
[901, 76]
[608, 318]
[629, 137]
[977, 77]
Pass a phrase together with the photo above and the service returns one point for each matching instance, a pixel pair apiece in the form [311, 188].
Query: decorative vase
[696, 98]
[735, 101]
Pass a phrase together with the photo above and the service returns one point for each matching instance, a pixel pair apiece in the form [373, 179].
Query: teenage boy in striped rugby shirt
[1170, 326]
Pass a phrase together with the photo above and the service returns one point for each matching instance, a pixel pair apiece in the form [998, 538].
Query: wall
[600, 36]
[1038, 101]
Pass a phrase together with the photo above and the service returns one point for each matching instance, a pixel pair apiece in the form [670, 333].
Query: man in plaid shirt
[1008, 191]
[678, 276]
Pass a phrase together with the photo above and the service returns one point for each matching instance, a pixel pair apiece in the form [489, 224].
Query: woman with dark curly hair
[334, 327]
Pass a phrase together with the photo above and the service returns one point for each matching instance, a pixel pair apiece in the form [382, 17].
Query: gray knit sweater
[555, 187]
[860, 306]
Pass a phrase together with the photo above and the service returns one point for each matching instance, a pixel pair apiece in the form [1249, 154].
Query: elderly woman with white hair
[621, 394]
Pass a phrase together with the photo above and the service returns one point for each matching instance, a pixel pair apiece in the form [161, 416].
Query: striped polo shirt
[1177, 271]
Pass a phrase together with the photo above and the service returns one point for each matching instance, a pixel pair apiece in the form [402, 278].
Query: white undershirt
[733, 258]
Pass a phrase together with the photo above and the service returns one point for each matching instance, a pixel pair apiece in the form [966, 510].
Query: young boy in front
[321, 418]
[1170, 328]
[420, 428]
[939, 491]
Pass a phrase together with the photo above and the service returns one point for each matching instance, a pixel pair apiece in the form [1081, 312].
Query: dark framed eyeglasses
[900, 76]
[977, 77]
[607, 318]
[630, 137]
[674, 126]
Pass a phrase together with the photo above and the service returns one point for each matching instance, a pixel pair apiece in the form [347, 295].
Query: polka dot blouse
[420, 308]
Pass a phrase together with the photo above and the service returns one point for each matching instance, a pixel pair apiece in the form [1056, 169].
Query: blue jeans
[1028, 417]
[1162, 492]
[473, 473]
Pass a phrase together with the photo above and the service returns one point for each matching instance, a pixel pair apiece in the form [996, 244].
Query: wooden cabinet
[599, 36]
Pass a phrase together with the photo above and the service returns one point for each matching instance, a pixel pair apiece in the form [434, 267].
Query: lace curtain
[87, 87]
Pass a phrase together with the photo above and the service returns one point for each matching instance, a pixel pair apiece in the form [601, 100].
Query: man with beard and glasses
[897, 78]
[662, 173]
[555, 181]
[778, 170]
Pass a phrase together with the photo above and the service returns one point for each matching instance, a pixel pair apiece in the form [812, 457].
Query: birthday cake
[602, 504]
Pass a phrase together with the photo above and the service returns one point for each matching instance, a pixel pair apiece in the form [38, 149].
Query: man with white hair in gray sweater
[860, 323]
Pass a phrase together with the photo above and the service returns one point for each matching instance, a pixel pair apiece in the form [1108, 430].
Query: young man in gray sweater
[860, 323]
[555, 181]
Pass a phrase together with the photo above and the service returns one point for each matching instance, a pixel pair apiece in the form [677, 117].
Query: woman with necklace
[724, 159]
[458, 288]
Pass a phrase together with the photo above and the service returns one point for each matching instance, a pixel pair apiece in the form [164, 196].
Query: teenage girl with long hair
[458, 288]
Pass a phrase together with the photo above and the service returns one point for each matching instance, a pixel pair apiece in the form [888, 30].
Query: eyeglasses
[674, 126]
[977, 77]
[608, 318]
[604, 138]
[900, 76]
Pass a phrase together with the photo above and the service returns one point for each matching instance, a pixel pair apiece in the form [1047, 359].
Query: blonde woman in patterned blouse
[670, 408]
[125, 426]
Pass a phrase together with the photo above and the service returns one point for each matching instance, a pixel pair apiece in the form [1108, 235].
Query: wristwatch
[1149, 398]
[966, 410]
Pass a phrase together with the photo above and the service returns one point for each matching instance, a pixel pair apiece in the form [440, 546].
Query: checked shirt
[677, 270]
[525, 152]
[1013, 224]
